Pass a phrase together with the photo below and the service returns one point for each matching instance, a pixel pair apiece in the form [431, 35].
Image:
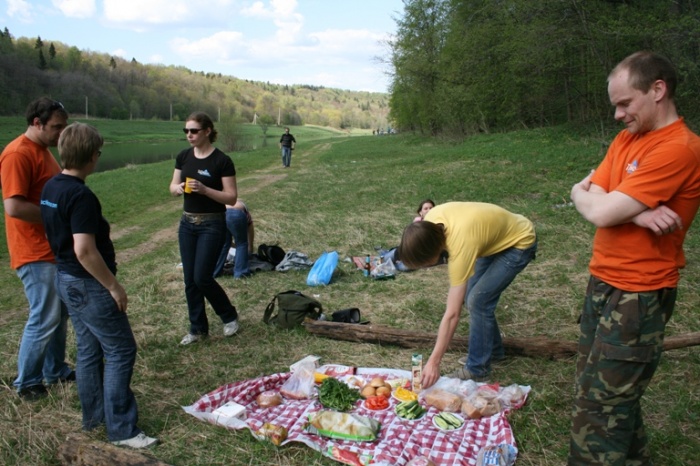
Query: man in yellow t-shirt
[487, 246]
[642, 199]
[26, 165]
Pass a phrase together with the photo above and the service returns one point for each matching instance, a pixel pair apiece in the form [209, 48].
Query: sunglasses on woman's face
[191, 130]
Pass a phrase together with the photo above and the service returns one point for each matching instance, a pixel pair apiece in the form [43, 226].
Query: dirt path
[262, 178]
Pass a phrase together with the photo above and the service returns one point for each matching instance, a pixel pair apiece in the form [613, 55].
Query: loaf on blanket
[443, 400]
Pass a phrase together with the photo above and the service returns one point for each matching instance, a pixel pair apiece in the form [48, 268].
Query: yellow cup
[187, 187]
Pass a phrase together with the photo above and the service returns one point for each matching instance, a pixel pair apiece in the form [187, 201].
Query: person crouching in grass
[87, 284]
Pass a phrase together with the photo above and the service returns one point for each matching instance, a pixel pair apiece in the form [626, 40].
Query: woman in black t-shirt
[206, 177]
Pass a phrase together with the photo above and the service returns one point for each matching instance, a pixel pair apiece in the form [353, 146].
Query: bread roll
[269, 398]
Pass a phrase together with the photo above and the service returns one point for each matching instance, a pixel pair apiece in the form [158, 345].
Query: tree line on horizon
[104, 86]
[466, 66]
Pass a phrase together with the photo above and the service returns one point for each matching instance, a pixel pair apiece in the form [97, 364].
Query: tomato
[376, 402]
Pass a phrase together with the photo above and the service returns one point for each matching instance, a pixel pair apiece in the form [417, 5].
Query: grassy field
[350, 195]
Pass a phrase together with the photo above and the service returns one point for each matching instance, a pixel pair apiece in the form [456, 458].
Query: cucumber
[441, 423]
[452, 419]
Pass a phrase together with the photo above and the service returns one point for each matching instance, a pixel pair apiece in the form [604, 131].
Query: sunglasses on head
[192, 130]
[56, 105]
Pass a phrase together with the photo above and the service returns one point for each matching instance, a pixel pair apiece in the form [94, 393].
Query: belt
[199, 218]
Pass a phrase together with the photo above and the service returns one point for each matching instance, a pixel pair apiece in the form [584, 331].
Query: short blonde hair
[77, 144]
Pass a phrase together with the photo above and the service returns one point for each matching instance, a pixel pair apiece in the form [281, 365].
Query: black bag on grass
[292, 308]
[271, 253]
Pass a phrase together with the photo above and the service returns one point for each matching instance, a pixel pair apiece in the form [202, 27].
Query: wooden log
[528, 346]
[79, 450]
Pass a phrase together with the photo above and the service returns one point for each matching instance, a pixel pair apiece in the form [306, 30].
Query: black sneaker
[33, 392]
[69, 378]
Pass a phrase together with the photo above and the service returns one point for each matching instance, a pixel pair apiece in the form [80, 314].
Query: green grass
[350, 194]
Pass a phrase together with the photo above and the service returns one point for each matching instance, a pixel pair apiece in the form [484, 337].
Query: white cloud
[76, 8]
[20, 9]
[150, 12]
[156, 59]
[121, 53]
[222, 46]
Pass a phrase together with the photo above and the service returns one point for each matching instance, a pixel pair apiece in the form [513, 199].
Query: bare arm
[448, 325]
[177, 187]
[227, 195]
[605, 209]
[20, 208]
[90, 258]
[601, 208]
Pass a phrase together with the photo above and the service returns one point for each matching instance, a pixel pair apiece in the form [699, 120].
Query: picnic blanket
[398, 442]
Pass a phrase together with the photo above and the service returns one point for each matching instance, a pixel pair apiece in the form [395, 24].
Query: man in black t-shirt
[287, 143]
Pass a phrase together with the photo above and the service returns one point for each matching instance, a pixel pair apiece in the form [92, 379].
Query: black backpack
[293, 308]
[271, 253]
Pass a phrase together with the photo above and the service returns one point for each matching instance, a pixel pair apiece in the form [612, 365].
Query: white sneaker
[191, 338]
[231, 328]
[140, 441]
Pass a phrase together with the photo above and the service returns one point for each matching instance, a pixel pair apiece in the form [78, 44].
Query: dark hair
[205, 122]
[77, 144]
[645, 68]
[424, 201]
[421, 244]
[43, 108]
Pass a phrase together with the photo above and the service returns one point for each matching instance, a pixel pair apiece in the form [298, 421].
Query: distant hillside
[105, 86]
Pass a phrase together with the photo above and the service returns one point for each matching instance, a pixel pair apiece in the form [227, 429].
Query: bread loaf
[443, 400]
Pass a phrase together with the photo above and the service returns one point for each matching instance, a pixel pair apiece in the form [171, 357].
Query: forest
[102, 86]
[466, 66]
[457, 67]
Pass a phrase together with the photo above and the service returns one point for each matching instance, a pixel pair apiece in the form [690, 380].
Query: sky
[330, 43]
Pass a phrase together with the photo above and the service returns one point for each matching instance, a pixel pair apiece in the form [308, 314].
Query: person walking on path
[206, 178]
[26, 165]
[488, 247]
[87, 283]
[287, 143]
[642, 198]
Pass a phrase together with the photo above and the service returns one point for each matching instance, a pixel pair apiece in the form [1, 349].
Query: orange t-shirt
[659, 167]
[25, 167]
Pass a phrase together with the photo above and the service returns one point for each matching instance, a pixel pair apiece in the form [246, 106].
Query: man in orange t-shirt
[642, 199]
[26, 165]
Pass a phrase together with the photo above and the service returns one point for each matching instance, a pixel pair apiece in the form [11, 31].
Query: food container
[416, 371]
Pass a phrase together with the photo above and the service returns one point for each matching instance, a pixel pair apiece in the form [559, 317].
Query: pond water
[131, 153]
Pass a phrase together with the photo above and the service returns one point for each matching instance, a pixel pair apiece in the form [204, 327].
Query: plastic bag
[384, 270]
[300, 386]
[322, 270]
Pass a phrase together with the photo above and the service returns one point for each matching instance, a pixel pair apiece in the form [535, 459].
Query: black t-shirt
[68, 207]
[287, 139]
[209, 171]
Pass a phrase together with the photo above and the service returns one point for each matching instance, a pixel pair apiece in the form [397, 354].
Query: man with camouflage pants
[642, 199]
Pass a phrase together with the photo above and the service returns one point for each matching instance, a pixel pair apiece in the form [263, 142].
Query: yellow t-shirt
[478, 229]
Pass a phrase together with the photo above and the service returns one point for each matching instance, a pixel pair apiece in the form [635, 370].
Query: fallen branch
[80, 450]
[530, 346]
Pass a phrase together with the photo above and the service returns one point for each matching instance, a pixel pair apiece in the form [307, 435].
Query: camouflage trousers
[619, 348]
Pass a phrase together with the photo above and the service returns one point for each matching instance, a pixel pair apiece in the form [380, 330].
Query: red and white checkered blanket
[398, 441]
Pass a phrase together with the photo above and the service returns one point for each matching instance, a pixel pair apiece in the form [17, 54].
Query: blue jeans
[237, 228]
[42, 351]
[200, 246]
[286, 156]
[492, 275]
[106, 356]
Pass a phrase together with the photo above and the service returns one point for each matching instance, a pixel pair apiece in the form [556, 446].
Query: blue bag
[322, 270]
